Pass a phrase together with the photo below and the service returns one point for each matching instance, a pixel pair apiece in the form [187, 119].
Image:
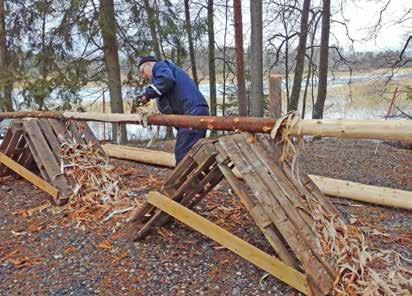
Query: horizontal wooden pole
[365, 193]
[147, 156]
[29, 176]
[395, 130]
[334, 187]
[245, 250]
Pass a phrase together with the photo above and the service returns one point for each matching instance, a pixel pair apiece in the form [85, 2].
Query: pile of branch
[99, 192]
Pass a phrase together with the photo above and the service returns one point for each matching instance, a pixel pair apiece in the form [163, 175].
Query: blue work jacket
[175, 91]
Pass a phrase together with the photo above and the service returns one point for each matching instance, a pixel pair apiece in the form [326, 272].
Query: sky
[361, 15]
[365, 14]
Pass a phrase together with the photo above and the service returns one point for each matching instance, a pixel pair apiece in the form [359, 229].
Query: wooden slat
[288, 196]
[10, 147]
[45, 154]
[247, 251]
[50, 137]
[47, 159]
[212, 179]
[29, 176]
[285, 194]
[37, 159]
[259, 216]
[75, 133]
[180, 173]
[60, 131]
[6, 140]
[280, 218]
[190, 186]
[87, 133]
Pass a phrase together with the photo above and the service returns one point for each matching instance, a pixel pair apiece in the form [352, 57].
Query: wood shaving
[99, 191]
[361, 269]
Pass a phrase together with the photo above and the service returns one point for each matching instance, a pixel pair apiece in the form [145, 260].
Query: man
[175, 93]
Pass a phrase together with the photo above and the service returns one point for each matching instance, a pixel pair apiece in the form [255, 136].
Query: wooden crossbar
[29, 176]
[242, 248]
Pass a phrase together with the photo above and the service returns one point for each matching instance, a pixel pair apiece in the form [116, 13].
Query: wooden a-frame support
[275, 198]
[33, 146]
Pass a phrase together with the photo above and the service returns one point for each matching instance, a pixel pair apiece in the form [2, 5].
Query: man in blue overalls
[175, 93]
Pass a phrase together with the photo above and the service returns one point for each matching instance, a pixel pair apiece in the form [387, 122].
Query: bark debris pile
[99, 190]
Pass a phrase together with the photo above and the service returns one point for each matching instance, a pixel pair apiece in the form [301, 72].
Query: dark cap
[147, 59]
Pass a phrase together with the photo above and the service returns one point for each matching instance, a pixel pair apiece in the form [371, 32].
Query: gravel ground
[49, 254]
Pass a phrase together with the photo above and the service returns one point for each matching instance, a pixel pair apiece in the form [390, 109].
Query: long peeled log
[333, 187]
[146, 156]
[366, 193]
[395, 130]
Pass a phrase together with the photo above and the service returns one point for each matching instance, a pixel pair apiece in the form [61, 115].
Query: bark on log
[395, 130]
[334, 187]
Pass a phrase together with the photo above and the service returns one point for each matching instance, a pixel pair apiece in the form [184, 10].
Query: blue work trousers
[186, 137]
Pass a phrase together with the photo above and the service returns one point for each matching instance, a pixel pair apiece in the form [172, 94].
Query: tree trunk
[212, 67]
[188, 26]
[152, 25]
[111, 55]
[310, 61]
[6, 103]
[323, 62]
[240, 65]
[256, 59]
[300, 58]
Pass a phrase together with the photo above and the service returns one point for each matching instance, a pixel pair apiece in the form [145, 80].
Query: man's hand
[139, 101]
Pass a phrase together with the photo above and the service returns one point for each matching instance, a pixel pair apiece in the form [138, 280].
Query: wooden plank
[315, 269]
[189, 187]
[288, 196]
[27, 159]
[45, 154]
[192, 196]
[50, 137]
[170, 187]
[259, 216]
[11, 145]
[29, 176]
[47, 159]
[75, 133]
[282, 191]
[6, 140]
[180, 173]
[60, 131]
[210, 181]
[269, 152]
[245, 250]
[37, 159]
[87, 133]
